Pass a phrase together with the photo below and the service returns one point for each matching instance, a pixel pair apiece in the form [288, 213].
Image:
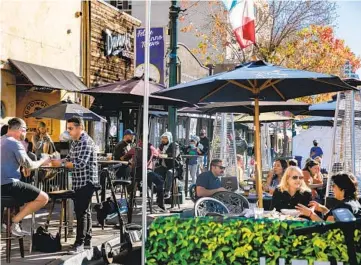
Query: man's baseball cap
[129, 132]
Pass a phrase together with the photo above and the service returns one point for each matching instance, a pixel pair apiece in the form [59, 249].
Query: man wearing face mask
[165, 168]
[121, 153]
[204, 141]
[194, 149]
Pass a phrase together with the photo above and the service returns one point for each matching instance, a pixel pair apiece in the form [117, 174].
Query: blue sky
[349, 25]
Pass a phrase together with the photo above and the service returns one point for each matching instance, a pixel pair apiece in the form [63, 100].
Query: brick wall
[108, 69]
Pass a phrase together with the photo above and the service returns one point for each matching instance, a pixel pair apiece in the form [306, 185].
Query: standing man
[13, 156]
[165, 167]
[205, 142]
[121, 151]
[316, 150]
[82, 159]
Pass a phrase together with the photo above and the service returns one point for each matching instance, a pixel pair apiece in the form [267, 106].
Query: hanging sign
[117, 44]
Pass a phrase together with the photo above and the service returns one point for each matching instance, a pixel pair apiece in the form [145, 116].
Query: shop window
[125, 6]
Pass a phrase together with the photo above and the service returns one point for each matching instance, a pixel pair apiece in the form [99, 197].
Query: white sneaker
[17, 231]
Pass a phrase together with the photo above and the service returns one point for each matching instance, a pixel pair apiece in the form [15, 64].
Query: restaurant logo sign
[117, 44]
[31, 122]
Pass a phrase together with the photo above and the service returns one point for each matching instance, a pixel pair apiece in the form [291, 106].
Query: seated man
[13, 156]
[121, 153]
[165, 167]
[208, 182]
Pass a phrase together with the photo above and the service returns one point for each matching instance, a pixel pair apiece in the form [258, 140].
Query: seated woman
[291, 191]
[345, 191]
[275, 175]
[318, 159]
[313, 177]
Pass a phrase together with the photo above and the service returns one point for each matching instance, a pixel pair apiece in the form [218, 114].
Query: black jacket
[169, 152]
[120, 150]
[205, 142]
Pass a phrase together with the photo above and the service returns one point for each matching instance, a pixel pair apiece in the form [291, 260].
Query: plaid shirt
[84, 158]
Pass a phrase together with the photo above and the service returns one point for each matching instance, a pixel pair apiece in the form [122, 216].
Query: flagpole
[145, 127]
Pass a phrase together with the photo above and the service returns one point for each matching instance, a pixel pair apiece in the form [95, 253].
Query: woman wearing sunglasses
[345, 191]
[291, 191]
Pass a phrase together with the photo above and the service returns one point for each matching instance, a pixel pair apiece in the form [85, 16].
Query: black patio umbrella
[65, 110]
[263, 118]
[256, 80]
[326, 109]
[130, 92]
[248, 107]
[316, 121]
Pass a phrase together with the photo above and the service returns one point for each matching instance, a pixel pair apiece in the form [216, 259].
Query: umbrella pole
[257, 150]
[145, 127]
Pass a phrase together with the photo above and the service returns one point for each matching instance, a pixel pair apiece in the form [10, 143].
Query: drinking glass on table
[258, 213]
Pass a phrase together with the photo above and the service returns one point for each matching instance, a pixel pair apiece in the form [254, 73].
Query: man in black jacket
[205, 142]
[167, 150]
[121, 153]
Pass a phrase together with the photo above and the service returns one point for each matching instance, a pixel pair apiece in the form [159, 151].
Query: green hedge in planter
[172, 240]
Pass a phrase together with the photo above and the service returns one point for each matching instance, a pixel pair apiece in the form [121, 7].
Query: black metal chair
[192, 192]
[11, 205]
[235, 203]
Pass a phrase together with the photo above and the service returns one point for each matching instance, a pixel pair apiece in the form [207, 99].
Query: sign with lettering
[117, 44]
[157, 53]
[31, 122]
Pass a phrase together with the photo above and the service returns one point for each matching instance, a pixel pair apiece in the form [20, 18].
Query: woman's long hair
[310, 163]
[346, 182]
[288, 173]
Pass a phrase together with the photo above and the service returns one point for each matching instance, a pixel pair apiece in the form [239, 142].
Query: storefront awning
[47, 79]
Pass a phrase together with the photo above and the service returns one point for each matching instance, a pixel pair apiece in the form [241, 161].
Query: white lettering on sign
[117, 44]
[154, 40]
[31, 122]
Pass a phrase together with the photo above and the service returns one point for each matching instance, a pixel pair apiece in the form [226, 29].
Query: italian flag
[242, 19]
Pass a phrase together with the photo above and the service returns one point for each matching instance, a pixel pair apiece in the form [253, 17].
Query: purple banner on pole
[157, 53]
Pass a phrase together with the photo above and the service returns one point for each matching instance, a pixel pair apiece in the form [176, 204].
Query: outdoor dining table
[187, 171]
[253, 198]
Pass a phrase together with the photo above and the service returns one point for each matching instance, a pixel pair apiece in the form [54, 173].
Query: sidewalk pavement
[110, 233]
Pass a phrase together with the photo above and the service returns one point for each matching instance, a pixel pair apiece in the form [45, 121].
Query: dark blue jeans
[159, 184]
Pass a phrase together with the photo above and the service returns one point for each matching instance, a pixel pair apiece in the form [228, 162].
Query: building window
[125, 6]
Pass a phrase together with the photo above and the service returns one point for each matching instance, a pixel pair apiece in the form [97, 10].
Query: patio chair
[192, 192]
[206, 205]
[235, 203]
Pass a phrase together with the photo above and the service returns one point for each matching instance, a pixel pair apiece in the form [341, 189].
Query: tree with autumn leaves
[294, 34]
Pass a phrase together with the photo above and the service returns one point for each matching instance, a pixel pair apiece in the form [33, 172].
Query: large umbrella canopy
[248, 106]
[263, 118]
[114, 95]
[65, 110]
[316, 121]
[256, 80]
[326, 109]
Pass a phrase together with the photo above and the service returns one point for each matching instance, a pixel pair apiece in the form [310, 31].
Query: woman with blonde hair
[291, 191]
